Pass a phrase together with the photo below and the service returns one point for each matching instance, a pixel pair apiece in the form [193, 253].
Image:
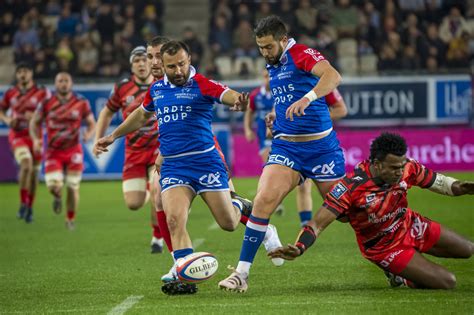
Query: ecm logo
[280, 159]
[211, 180]
[252, 239]
[325, 169]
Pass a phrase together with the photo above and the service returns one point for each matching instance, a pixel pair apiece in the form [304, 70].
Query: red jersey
[377, 212]
[127, 96]
[333, 97]
[63, 120]
[22, 104]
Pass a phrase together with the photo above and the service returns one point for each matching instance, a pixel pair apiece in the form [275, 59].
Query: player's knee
[26, 165]
[134, 204]
[73, 181]
[449, 281]
[466, 250]
[54, 187]
[228, 225]
[174, 222]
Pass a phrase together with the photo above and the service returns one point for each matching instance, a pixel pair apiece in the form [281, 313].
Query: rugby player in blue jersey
[182, 102]
[304, 142]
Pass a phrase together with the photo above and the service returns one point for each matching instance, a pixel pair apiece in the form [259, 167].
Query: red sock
[71, 214]
[165, 232]
[24, 196]
[244, 219]
[156, 231]
[31, 199]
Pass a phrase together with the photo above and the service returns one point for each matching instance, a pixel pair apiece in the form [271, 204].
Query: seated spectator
[287, 15]
[243, 13]
[264, 10]
[68, 24]
[388, 59]
[453, 26]
[194, 44]
[64, 55]
[306, 17]
[25, 38]
[105, 22]
[108, 65]
[432, 45]
[7, 29]
[458, 52]
[244, 41]
[150, 22]
[345, 19]
[87, 57]
[220, 37]
[410, 60]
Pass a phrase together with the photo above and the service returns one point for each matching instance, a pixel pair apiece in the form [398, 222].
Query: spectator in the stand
[68, 24]
[367, 32]
[220, 37]
[105, 22]
[64, 55]
[453, 26]
[287, 15]
[87, 57]
[306, 17]
[26, 39]
[43, 65]
[212, 71]
[128, 37]
[410, 60]
[108, 65]
[223, 9]
[244, 41]
[388, 59]
[264, 10]
[433, 46]
[243, 14]
[432, 65]
[345, 18]
[197, 50]
[150, 22]
[53, 8]
[7, 29]
[458, 52]
[34, 17]
[412, 5]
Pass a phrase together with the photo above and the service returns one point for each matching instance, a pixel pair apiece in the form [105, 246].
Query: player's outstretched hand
[241, 103]
[249, 135]
[269, 119]
[37, 146]
[297, 108]
[101, 145]
[288, 252]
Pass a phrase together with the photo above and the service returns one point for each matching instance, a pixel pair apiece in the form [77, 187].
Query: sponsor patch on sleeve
[338, 190]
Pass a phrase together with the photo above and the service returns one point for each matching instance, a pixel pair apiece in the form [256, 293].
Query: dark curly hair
[387, 143]
[173, 46]
[271, 25]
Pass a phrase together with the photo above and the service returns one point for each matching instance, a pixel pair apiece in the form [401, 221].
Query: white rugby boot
[236, 282]
[271, 242]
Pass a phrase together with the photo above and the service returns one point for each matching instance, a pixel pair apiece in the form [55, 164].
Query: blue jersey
[290, 80]
[184, 114]
[261, 102]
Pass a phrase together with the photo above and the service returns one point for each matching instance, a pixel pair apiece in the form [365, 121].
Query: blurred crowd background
[93, 38]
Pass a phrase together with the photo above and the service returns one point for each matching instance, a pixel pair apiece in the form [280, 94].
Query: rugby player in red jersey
[141, 147]
[63, 114]
[21, 100]
[389, 234]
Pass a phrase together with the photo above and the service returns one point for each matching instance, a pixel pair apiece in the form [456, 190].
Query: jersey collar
[191, 75]
[291, 43]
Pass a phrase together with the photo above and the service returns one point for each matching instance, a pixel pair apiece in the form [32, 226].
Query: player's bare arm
[90, 128]
[10, 122]
[269, 119]
[135, 121]
[307, 235]
[103, 122]
[447, 185]
[338, 110]
[329, 79]
[34, 126]
[235, 100]
[249, 118]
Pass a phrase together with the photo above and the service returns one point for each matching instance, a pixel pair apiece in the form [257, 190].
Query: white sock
[158, 241]
[244, 267]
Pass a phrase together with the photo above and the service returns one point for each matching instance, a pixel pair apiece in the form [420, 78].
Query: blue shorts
[200, 173]
[321, 160]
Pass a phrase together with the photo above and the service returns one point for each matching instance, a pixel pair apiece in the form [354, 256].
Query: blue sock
[253, 237]
[180, 253]
[305, 217]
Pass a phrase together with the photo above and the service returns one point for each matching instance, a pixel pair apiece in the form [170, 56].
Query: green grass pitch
[45, 268]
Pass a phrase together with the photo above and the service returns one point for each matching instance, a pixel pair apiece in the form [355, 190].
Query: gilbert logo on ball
[197, 267]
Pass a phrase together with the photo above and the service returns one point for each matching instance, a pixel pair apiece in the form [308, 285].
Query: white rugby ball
[197, 267]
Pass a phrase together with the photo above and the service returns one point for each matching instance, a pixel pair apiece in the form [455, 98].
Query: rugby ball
[197, 267]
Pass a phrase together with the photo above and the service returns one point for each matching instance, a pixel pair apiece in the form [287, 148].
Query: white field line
[127, 304]
[198, 242]
[213, 226]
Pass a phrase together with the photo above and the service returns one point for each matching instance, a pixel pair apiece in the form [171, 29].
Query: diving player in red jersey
[389, 234]
[22, 100]
[141, 147]
[63, 114]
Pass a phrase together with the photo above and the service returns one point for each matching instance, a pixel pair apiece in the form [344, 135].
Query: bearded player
[388, 232]
[21, 101]
[63, 114]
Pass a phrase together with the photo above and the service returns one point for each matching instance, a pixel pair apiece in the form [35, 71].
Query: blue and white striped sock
[253, 237]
